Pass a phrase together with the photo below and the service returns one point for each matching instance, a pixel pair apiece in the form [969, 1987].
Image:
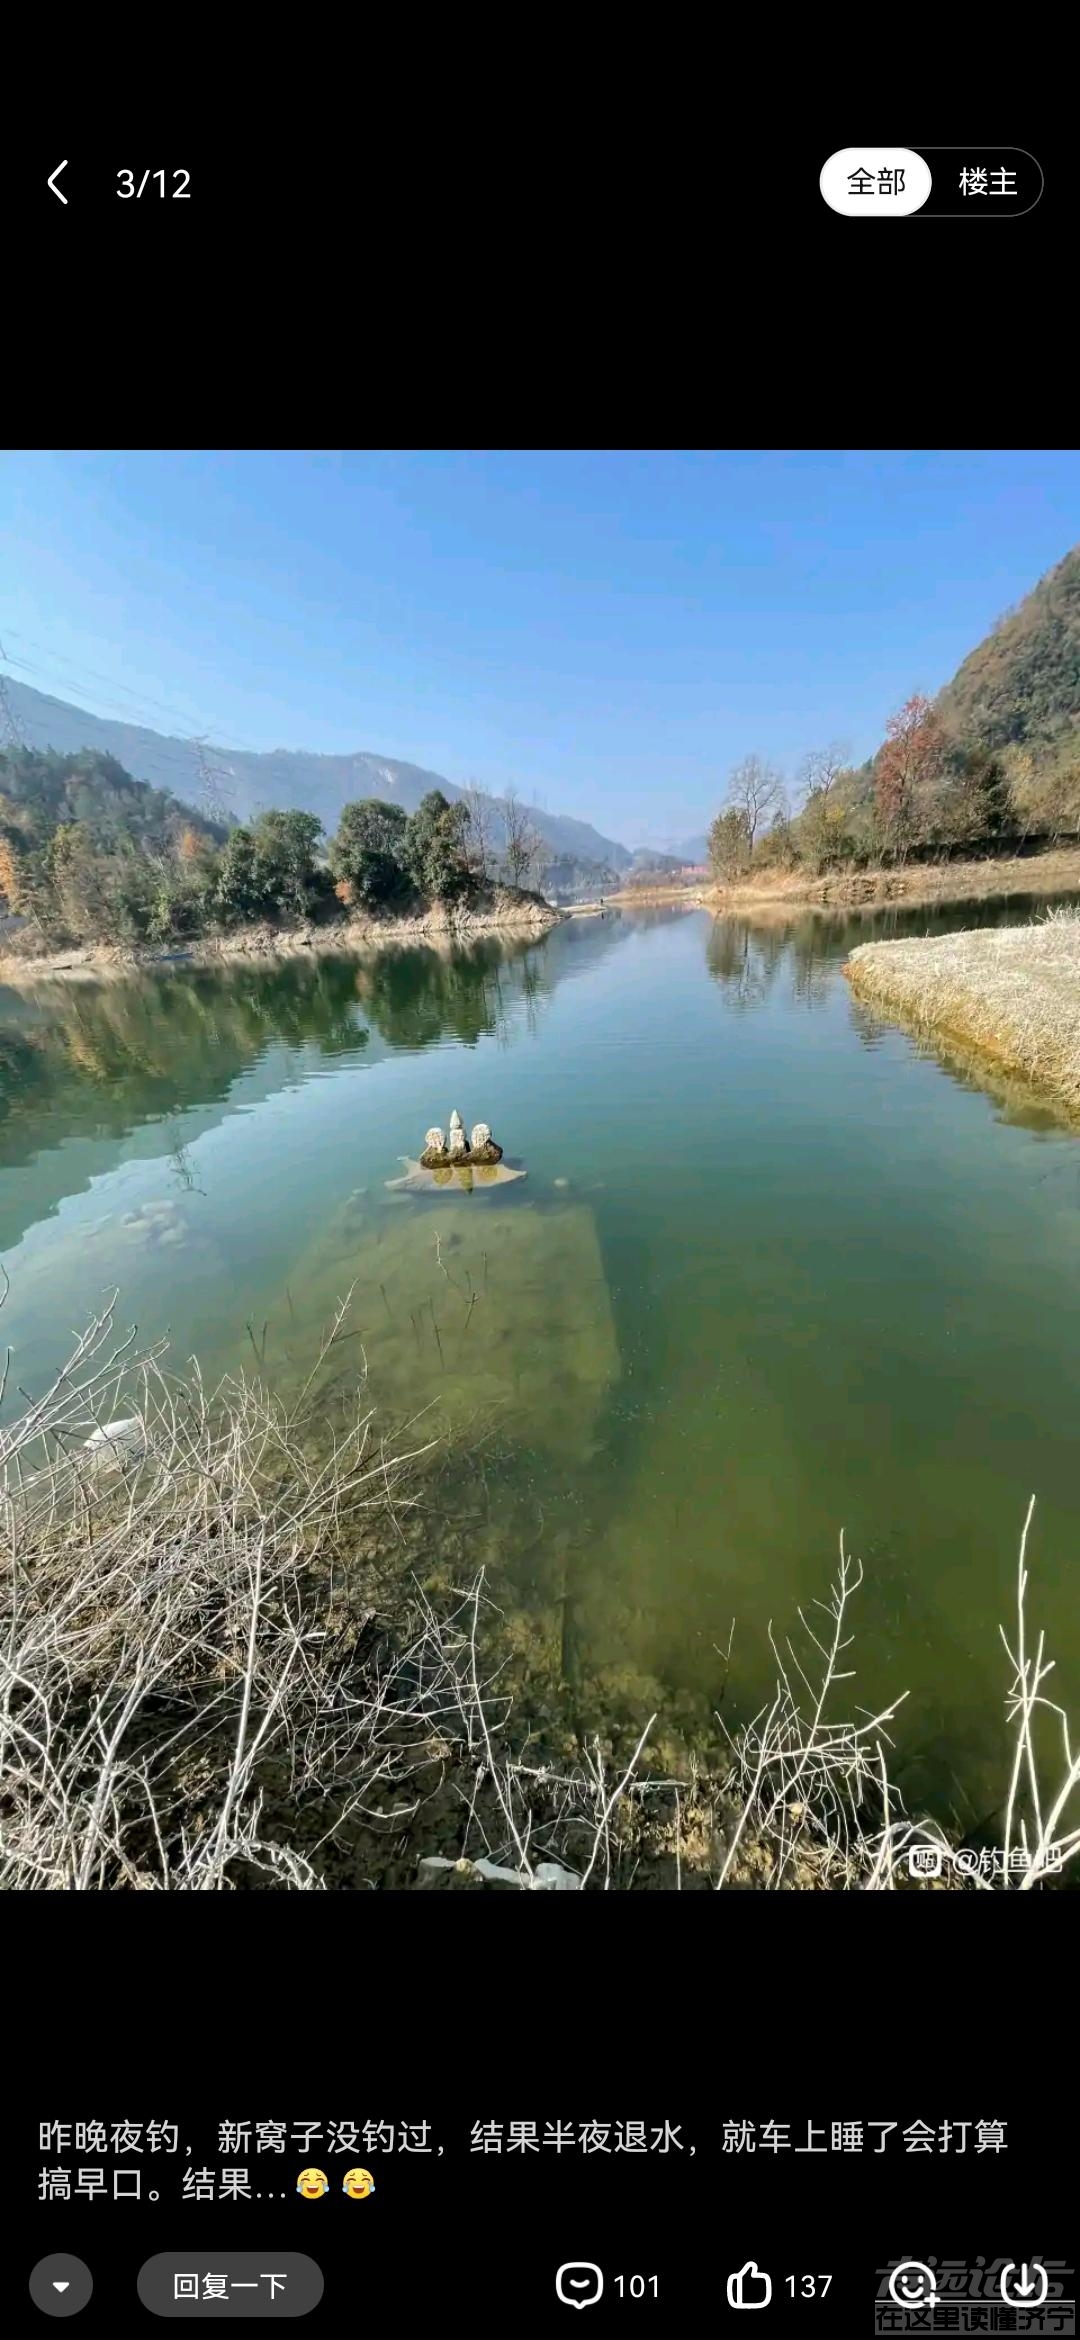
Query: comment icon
[579, 2283]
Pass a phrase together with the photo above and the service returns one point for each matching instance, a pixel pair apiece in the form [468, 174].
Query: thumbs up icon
[750, 2288]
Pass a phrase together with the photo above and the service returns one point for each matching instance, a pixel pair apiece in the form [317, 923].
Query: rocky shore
[441, 925]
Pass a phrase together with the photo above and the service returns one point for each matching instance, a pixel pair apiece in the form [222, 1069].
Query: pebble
[562, 1182]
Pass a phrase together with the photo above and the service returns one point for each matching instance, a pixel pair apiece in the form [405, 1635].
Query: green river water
[775, 1272]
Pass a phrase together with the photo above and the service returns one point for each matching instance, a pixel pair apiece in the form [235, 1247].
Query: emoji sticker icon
[358, 2184]
[311, 2183]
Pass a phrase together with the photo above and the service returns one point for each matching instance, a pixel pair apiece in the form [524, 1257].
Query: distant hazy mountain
[649, 861]
[675, 853]
[285, 779]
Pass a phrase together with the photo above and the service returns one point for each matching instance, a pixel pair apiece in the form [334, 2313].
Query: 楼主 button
[60, 2286]
[876, 182]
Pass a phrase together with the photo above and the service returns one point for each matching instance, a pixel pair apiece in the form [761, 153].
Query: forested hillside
[1020, 690]
[42, 790]
[991, 764]
[288, 779]
[88, 855]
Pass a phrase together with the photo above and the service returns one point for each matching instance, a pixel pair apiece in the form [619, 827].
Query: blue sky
[608, 632]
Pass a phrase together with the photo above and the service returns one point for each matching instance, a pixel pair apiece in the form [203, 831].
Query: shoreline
[94, 962]
[1006, 1000]
[939, 882]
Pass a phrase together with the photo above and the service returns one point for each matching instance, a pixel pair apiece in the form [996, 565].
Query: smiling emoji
[358, 2184]
[311, 2183]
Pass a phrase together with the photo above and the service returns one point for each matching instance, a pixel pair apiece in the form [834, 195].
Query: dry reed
[196, 1694]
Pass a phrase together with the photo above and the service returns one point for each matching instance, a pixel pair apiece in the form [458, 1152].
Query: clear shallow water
[802, 1278]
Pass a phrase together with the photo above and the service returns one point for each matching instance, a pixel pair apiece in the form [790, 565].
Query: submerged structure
[502, 1318]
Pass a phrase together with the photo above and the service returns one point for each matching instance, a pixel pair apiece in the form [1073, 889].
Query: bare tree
[478, 841]
[523, 851]
[821, 769]
[754, 790]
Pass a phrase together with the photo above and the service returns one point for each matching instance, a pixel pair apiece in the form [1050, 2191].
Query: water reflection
[103, 1058]
[416, 998]
[735, 958]
[746, 953]
[85, 1068]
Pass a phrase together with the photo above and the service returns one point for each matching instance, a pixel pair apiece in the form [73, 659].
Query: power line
[10, 731]
[160, 768]
[179, 777]
[140, 698]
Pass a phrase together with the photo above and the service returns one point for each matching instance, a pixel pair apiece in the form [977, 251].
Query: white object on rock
[481, 1137]
[547, 1877]
[434, 1142]
[458, 1141]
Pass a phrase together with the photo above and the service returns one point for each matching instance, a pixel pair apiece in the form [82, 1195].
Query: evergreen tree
[368, 852]
[436, 848]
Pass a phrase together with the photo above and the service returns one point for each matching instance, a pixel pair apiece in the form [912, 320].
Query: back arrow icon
[52, 182]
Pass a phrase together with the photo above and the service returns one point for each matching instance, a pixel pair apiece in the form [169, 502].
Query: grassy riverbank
[1009, 994]
[250, 1641]
[1054, 872]
[505, 911]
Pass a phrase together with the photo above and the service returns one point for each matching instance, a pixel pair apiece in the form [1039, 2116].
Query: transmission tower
[11, 733]
[215, 790]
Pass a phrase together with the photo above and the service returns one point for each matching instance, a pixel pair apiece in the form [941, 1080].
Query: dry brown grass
[1055, 872]
[1011, 993]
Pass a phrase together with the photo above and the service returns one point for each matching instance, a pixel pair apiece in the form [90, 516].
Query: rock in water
[459, 1144]
[482, 1145]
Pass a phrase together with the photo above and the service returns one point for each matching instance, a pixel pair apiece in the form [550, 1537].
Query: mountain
[1020, 689]
[648, 862]
[569, 878]
[285, 779]
[673, 853]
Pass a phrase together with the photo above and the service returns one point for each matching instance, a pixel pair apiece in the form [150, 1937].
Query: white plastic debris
[547, 1877]
[127, 1437]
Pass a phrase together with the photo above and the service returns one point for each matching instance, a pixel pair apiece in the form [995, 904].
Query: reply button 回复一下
[249, 2283]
